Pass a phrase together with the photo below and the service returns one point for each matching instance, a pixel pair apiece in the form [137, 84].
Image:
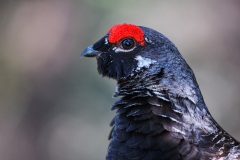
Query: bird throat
[157, 122]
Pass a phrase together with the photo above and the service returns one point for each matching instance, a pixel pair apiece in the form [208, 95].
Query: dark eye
[127, 43]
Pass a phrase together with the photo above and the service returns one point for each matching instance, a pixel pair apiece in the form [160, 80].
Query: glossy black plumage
[161, 114]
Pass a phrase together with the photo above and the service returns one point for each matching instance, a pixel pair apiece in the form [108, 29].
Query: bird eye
[127, 43]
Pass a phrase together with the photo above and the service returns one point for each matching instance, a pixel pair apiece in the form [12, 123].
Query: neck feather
[150, 120]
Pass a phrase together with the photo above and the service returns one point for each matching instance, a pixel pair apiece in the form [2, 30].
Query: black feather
[161, 114]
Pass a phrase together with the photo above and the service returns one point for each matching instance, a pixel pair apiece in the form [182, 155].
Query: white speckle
[177, 111]
[120, 50]
[234, 153]
[148, 40]
[106, 40]
[116, 89]
[130, 114]
[179, 131]
[149, 94]
[221, 150]
[144, 62]
[159, 95]
[222, 139]
[215, 137]
[173, 119]
[232, 142]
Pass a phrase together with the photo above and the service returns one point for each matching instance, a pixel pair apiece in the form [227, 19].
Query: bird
[160, 111]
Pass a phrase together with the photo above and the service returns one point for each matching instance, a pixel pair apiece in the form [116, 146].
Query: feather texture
[161, 114]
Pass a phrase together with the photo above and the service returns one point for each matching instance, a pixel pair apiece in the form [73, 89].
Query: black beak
[90, 52]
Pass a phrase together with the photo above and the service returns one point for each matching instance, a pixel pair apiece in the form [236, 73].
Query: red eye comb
[120, 31]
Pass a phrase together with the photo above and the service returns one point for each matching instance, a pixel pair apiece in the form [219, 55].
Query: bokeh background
[55, 106]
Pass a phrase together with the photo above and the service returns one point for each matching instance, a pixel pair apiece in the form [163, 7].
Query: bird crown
[120, 31]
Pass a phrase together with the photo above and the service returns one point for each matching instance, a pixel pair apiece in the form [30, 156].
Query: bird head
[127, 48]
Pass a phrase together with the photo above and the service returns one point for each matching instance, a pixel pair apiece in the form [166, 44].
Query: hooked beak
[90, 52]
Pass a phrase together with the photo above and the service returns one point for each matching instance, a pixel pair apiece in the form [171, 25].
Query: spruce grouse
[161, 114]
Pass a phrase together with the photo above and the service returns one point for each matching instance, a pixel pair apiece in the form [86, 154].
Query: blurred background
[55, 106]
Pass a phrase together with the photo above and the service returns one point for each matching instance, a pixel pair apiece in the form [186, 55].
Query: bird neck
[181, 115]
[153, 116]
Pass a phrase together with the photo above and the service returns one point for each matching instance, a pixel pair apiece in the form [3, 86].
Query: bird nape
[161, 114]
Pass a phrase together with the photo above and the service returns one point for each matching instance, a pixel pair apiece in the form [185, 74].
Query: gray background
[55, 106]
